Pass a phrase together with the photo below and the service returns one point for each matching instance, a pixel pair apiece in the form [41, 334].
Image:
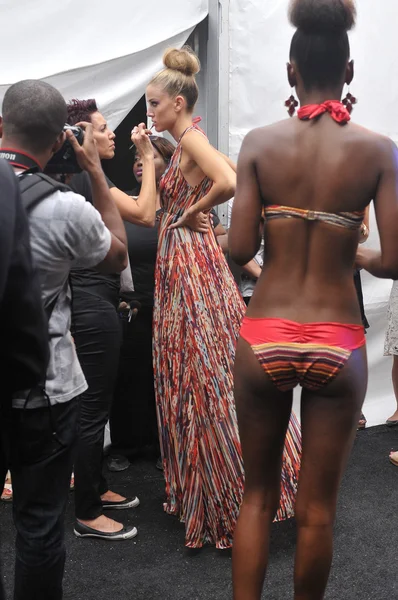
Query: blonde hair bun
[184, 60]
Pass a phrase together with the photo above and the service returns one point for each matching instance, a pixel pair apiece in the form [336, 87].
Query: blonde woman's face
[160, 108]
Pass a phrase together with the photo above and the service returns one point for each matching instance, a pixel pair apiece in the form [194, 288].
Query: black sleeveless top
[101, 284]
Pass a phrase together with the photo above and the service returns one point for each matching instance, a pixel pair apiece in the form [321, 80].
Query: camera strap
[20, 160]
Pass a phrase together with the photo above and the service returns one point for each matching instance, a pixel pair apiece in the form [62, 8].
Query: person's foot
[362, 422]
[111, 500]
[6, 495]
[103, 524]
[104, 528]
[118, 463]
[110, 496]
[393, 420]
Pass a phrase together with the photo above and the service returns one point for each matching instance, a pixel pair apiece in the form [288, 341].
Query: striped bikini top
[348, 220]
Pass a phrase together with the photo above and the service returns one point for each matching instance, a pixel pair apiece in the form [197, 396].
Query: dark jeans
[97, 334]
[41, 467]
[133, 415]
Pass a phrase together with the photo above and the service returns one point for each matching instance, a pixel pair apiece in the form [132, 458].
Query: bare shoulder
[194, 136]
[371, 139]
[261, 137]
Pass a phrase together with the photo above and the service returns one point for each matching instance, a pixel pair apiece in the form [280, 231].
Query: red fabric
[277, 331]
[337, 111]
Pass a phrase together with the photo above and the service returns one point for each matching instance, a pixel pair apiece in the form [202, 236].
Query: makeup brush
[146, 131]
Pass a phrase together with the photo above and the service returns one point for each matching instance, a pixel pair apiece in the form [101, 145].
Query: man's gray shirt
[66, 232]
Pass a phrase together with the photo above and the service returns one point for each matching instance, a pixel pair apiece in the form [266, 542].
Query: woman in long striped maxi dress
[197, 315]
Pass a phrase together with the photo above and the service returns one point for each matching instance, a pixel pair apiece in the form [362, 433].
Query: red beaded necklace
[336, 109]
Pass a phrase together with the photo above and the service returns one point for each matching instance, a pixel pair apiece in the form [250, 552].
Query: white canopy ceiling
[90, 49]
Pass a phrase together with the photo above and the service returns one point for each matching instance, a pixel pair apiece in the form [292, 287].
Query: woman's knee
[310, 514]
[264, 501]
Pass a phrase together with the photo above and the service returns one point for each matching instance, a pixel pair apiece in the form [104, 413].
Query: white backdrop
[259, 49]
[110, 51]
[90, 49]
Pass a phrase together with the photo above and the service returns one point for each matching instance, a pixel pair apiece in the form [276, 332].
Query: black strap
[19, 159]
[35, 187]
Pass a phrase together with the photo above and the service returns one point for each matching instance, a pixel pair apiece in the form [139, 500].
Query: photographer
[66, 232]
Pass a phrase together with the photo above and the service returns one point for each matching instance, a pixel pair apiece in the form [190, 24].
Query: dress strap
[193, 127]
[336, 109]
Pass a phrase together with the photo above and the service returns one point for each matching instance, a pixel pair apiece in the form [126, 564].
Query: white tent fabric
[108, 51]
[259, 49]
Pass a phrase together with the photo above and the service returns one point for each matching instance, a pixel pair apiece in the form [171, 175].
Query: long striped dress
[197, 315]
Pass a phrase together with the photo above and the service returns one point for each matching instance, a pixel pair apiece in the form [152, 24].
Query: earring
[291, 105]
[349, 102]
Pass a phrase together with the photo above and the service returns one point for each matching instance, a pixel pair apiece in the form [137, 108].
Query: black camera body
[64, 161]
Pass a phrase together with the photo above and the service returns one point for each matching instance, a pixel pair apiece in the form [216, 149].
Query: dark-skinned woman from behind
[314, 176]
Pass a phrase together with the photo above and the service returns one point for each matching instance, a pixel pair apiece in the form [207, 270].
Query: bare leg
[263, 417]
[394, 417]
[329, 420]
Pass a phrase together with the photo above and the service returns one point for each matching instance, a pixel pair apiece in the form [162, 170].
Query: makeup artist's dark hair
[81, 110]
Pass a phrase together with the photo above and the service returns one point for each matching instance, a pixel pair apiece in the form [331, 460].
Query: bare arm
[244, 233]
[141, 210]
[252, 268]
[384, 264]
[223, 241]
[228, 161]
[87, 156]
[219, 231]
[197, 147]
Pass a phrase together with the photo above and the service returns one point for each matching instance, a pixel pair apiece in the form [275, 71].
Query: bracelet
[364, 230]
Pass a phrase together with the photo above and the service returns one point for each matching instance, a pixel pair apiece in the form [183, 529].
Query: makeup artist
[97, 334]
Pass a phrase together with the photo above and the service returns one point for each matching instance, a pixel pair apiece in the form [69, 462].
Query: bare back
[321, 166]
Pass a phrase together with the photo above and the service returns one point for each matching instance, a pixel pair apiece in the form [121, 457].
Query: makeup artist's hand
[140, 139]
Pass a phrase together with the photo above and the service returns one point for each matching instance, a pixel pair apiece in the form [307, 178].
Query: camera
[64, 161]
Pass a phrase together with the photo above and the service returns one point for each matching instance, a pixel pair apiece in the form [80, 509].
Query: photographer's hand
[87, 153]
